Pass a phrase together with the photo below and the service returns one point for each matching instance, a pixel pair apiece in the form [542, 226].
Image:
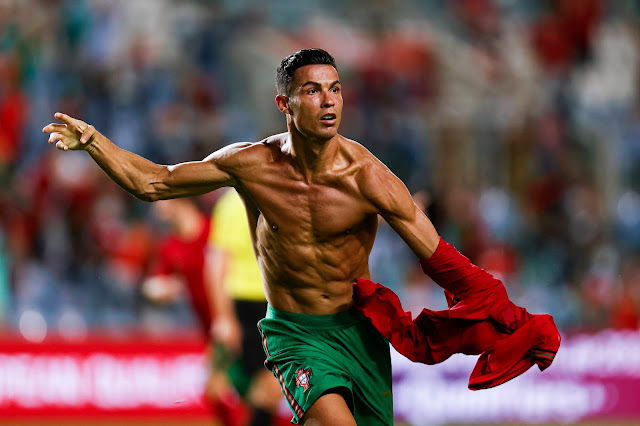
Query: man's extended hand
[73, 134]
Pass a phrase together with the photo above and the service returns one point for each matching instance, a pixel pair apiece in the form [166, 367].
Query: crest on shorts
[303, 378]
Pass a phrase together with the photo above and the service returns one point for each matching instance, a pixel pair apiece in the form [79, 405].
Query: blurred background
[515, 123]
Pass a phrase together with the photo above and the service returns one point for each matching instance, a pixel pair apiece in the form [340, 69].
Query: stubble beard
[318, 137]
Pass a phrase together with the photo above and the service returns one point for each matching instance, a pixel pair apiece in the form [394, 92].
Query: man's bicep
[199, 177]
[191, 179]
[394, 203]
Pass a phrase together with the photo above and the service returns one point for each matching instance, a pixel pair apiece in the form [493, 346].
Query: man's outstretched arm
[137, 175]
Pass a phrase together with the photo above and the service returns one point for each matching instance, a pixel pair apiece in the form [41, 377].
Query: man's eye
[335, 90]
[312, 91]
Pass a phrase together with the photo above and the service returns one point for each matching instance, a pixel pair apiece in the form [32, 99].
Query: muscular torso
[312, 234]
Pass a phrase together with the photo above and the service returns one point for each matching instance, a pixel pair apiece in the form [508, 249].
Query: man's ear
[282, 103]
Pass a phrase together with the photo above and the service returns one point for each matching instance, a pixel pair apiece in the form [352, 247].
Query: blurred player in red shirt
[180, 265]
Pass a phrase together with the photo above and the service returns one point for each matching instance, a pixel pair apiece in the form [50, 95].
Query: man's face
[315, 104]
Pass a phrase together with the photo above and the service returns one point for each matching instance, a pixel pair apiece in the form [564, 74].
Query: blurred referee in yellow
[234, 281]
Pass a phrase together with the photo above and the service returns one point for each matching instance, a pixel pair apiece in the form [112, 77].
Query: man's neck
[312, 155]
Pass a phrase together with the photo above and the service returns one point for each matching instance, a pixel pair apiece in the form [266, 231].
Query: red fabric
[186, 258]
[230, 410]
[13, 112]
[480, 320]
[471, 292]
[536, 342]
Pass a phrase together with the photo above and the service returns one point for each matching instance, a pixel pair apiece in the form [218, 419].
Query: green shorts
[311, 355]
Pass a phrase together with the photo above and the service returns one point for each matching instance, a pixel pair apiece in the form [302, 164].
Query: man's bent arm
[439, 260]
[137, 175]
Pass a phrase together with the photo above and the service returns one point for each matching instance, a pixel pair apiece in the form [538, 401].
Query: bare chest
[321, 210]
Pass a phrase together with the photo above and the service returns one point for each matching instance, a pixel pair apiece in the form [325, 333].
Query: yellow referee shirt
[230, 233]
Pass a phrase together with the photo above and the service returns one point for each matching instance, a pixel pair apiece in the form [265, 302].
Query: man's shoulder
[354, 146]
[244, 154]
[366, 162]
[374, 179]
[275, 140]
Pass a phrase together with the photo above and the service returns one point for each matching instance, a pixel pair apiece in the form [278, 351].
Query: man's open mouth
[328, 117]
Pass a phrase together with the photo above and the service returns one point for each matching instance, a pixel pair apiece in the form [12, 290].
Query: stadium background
[517, 123]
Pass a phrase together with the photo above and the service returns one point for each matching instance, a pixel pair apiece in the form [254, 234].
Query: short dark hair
[288, 66]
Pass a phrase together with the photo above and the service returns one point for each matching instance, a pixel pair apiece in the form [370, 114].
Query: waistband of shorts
[340, 319]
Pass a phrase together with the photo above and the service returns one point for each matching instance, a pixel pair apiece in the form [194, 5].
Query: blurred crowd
[515, 124]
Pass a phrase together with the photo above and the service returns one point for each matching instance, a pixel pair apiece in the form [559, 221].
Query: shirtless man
[312, 199]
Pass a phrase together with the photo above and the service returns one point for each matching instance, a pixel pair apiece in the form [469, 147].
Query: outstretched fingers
[70, 134]
[54, 127]
[65, 118]
[57, 138]
[73, 123]
[54, 137]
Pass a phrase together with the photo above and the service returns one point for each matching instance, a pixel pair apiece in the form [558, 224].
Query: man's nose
[327, 100]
